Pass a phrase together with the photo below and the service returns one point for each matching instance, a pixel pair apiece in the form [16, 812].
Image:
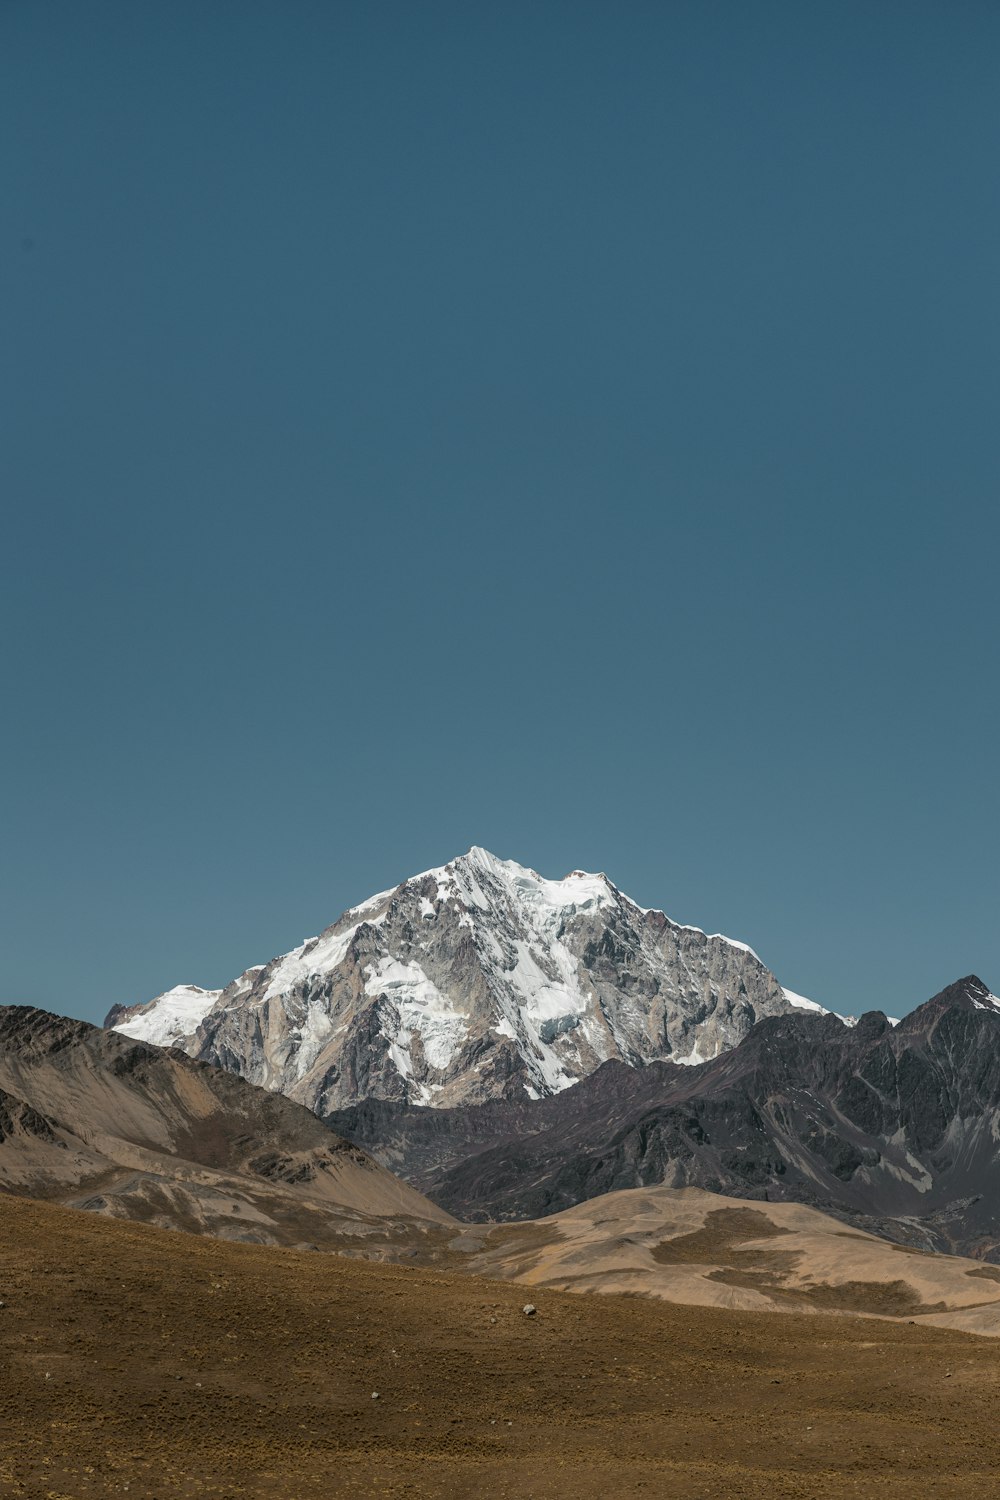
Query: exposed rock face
[100, 1121]
[896, 1127]
[477, 981]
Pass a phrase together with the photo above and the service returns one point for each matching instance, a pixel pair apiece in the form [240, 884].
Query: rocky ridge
[99, 1121]
[893, 1127]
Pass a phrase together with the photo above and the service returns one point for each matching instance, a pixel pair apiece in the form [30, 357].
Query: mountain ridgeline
[894, 1127]
[94, 1120]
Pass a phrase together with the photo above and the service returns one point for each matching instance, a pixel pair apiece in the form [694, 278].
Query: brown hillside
[181, 1367]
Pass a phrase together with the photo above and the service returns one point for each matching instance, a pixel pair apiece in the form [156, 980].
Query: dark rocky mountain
[896, 1128]
[96, 1120]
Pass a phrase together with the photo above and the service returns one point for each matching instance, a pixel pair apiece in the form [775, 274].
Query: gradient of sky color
[570, 428]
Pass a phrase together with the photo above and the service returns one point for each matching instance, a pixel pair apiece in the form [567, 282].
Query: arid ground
[147, 1362]
[686, 1245]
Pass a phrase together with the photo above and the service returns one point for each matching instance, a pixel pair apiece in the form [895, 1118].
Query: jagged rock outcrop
[480, 980]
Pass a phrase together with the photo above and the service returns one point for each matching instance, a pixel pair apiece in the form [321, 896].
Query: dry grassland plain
[144, 1362]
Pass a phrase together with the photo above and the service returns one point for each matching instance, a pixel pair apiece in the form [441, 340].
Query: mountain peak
[477, 980]
[968, 991]
[509, 868]
[969, 994]
[478, 855]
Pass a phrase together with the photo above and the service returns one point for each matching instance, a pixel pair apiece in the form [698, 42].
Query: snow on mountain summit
[167, 1020]
[479, 979]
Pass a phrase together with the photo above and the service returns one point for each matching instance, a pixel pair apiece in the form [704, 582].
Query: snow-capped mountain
[475, 981]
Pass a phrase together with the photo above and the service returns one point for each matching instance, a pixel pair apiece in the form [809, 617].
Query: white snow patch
[918, 1178]
[420, 1007]
[694, 1058]
[172, 1017]
[543, 998]
[545, 1001]
[243, 985]
[426, 1092]
[801, 1003]
[382, 896]
[743, 947]
[316, 1031]
[402, 1060]
[317, 955]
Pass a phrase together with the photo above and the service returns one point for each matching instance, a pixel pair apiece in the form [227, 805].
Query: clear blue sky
[570, 428]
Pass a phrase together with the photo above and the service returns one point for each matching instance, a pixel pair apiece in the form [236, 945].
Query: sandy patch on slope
[688, 1246]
